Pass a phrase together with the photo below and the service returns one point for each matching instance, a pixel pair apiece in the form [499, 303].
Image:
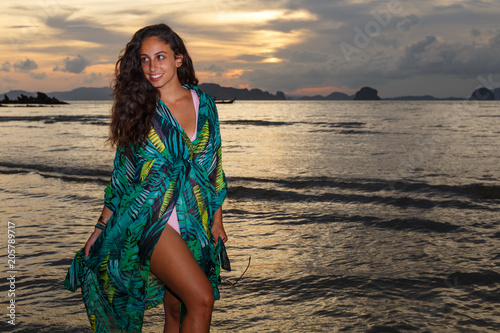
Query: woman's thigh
[174, 264]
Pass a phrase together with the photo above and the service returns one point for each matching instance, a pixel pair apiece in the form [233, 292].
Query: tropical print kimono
[146, 184]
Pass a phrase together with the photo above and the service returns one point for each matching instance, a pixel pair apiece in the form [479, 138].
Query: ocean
[352, 216]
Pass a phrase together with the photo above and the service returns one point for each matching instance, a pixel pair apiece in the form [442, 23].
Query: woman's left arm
[218, 227]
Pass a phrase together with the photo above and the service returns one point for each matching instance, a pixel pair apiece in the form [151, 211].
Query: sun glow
[256, 17]
[272, 60]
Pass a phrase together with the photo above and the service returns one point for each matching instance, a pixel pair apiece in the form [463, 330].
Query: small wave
[482, 278]
[398, 224]
[415, 224]
[358, 132]
[256, 122]
[350, 124]
[63, 173]
[364, 192]
[287, 123]
[390, 329]
[472, 191]
[485, 192]
[312, 285]
[84, 119]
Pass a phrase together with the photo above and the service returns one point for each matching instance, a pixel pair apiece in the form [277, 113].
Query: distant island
[367, 94]
[229, 93]
[483, 94]
[105, 93]
[239, 94]
[40, 98]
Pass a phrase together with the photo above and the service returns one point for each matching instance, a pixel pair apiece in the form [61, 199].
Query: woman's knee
[203, 302]
[209, 300]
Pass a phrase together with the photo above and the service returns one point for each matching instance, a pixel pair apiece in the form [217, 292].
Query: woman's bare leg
[173, 263]
[172, 313]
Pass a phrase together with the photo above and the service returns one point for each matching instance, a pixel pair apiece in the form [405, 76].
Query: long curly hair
[134, 97]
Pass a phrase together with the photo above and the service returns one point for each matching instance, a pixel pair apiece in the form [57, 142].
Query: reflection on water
[357, 217]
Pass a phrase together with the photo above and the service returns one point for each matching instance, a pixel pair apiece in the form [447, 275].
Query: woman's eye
[144, 59]
[160, 57]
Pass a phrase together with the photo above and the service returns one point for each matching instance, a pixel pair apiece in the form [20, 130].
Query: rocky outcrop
[482, 94]
[218, 92]
[40, 98]
[367, 94]
[334, 96]
[105, 93]
[280, 95]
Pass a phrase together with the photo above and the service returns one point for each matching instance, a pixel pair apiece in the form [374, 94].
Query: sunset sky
[407, 47]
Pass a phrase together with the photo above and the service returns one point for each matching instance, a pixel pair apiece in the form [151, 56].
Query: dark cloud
[308, 56]
[334, 10]
[408, 22]
[136, 12]
[227, 32]
[495, 42]
[213, 68]
[93, 77]
[9, 80]
[38, 76]
[250, 58]
[384, 40]
[287, 76]
[6, 66]
[420, 46]
[475, 33]
[430, 56]
[455, 6]
[84, 29]
[284, 25]
[76, 65]
[25, 65]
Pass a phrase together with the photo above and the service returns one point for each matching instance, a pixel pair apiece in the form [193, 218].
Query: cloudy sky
[306, 47]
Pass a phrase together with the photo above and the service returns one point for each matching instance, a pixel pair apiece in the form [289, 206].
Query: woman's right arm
[121, 177]
[106, 215]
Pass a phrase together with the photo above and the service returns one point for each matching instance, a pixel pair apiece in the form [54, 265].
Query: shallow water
[357, 216]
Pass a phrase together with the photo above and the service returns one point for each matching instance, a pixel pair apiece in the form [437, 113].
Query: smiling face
[159, 63]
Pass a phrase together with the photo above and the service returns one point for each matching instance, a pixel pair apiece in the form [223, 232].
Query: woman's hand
[104, 218]
[218, 227]
[218, 231]
[92, 240]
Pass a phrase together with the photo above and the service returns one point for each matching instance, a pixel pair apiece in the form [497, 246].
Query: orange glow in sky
[311, 48]
[322, 91]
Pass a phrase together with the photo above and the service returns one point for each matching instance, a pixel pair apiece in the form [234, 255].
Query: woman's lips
[155, 77]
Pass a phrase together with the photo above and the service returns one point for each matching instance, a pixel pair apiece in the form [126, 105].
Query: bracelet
[100, 226]
[101, 223]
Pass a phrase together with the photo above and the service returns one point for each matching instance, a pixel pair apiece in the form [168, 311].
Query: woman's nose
[152, 66]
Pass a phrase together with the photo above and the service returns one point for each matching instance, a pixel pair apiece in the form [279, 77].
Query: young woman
[162, 208]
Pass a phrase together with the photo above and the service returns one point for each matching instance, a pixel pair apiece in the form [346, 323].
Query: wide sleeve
[121, 177]
[217, 176]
